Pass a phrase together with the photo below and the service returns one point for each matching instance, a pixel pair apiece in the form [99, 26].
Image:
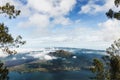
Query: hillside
[57, 60]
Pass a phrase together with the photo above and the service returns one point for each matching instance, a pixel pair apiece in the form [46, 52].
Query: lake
[69, 75]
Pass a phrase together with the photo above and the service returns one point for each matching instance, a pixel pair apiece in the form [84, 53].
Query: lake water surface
[70, 75]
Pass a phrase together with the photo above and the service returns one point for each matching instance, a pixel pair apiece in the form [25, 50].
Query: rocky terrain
[63, 61]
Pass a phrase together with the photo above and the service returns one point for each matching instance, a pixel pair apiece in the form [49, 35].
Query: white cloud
[83, 36]
[77, 37]
[2, 55]
[52, 7]
[36, 20]
[14, 58]
[3, 2]
[62, 20]
[110, 30]
[44, 15]
[93, 8]
[43, 10]
[39, 13]
[23, 57]
[47, 57]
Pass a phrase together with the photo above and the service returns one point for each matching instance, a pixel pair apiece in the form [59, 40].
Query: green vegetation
[109, 68]
[6, 39]
[113, 14]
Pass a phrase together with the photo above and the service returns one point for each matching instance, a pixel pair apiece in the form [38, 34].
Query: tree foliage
[109, 68]
[114, 14]
[9, 10]
[6, 39]
[117, 2]
[3, 72]
[98, 69]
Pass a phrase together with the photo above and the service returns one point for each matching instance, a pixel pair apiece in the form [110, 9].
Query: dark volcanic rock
[61, 53]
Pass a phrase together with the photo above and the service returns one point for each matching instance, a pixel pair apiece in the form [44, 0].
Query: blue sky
[64, 23]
